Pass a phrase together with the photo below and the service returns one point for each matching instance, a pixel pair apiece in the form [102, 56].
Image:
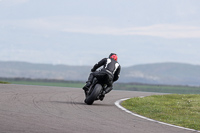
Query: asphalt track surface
[39, 109]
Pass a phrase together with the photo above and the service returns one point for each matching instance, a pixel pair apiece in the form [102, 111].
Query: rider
[110, 72]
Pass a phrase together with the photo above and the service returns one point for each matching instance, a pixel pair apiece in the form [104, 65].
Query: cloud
[97, 25]
[165, 31]
[161, 30]
[103, 26]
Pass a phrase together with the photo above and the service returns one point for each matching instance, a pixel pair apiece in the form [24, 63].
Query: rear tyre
[93, 96]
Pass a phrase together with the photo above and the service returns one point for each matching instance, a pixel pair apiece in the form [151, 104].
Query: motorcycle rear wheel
[95, 93]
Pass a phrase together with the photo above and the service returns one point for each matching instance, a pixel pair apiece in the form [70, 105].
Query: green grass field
[3, 82]
[177, 109]
[117, 86]
[46, 83]
[158, 88]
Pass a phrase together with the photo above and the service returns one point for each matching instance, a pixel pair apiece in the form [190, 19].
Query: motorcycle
[95, 91]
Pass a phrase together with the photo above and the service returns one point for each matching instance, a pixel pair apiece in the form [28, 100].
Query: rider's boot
[101, 97]
[107, 90]
[88, 83]
[86, 87]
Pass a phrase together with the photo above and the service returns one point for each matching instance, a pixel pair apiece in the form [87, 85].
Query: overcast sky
[81, 32]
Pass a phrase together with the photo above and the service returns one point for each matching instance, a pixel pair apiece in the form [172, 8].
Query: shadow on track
[80, 103]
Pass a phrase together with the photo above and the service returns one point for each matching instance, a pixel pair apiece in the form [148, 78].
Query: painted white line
[117, 103]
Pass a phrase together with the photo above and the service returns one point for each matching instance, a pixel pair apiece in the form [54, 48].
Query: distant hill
[158, 73]
[43, 71]
[163, 73]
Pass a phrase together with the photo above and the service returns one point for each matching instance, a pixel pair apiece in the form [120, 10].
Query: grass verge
[176, 89]
[117, 86]
[3, 82]
[177, 109]
[58, 83]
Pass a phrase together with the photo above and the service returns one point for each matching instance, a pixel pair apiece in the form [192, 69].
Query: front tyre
[93, 96]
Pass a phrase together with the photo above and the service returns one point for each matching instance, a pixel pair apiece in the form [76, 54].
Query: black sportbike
[97, 90]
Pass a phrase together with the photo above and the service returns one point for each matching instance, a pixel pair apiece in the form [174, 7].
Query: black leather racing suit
[110, 72]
